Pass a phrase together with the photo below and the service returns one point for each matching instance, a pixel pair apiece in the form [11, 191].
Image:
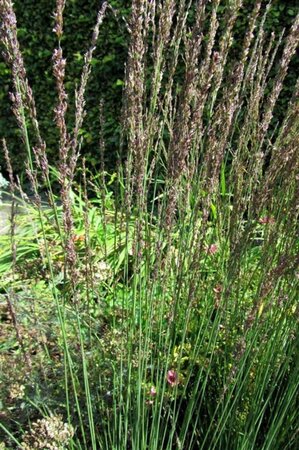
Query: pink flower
[265, 220]
[153, 391]
[172, 378]
[212, 249]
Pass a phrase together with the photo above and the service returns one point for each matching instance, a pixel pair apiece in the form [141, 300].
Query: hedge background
[35, 23]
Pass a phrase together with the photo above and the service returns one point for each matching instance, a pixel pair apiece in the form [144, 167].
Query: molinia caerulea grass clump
[172, 282]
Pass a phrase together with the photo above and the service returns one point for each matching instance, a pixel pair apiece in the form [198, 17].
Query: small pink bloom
[172, 378]
[265, 220]
[212, 249]
[153, 391]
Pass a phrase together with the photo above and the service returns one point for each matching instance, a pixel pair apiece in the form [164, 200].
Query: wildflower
[153, 391]
[102, 271]
[48, 433]
[265, 220]
[212, 249]
[172, 378]
[17, 391]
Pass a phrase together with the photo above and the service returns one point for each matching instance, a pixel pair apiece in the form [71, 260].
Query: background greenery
[35, 21]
